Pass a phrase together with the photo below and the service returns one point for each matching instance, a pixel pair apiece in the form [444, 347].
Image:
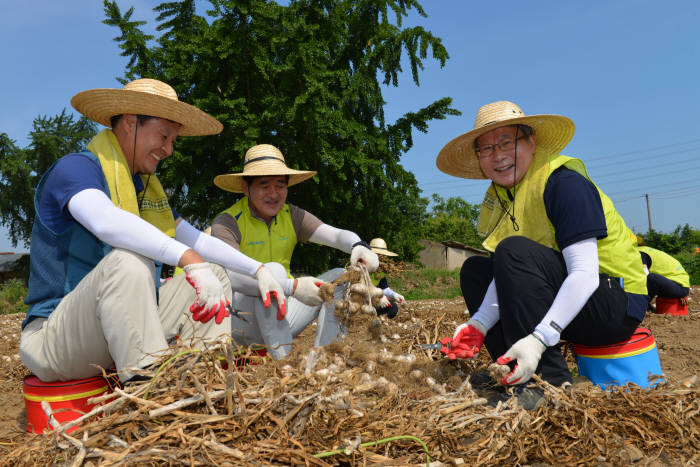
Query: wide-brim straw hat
[378, 245]
[458, 157]
[145, 97]
[262, 160]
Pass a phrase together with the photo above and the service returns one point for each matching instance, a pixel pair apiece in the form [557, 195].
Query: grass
[12, 293]
[416, 283]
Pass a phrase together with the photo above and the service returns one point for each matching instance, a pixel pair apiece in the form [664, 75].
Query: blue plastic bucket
[617, 364]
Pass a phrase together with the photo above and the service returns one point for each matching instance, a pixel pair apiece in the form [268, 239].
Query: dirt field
[678, 340]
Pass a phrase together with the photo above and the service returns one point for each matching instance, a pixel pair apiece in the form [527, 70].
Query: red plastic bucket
[68, 400]
[671, 306]
[617, 364]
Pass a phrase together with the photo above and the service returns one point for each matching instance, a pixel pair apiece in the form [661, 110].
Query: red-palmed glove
[527, 352]
[211, 301]
[362, 254]
[308, 291]
[269, 286]
[467, 341]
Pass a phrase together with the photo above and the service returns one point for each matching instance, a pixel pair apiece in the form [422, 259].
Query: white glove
[527, 351]
[362, 254]
[269, 286]
[211, 300]
[307, 291]
[394, 295]
[384, 302]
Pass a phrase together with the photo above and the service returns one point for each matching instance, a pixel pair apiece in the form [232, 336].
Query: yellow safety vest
[667, 266]
[265, 243]
[617, 254]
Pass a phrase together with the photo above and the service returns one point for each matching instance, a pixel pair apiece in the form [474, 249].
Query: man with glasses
[563, 263]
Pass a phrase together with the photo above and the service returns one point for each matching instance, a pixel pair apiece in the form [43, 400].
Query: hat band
[262, 159]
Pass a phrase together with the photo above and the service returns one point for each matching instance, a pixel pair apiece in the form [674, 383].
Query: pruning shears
[233, 312]
[445, 343]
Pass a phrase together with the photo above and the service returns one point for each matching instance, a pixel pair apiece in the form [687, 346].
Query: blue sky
[626, 72]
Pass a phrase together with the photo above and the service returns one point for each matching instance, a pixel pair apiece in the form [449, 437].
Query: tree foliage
[305, 78]
[452, 219]
[681, 244]
[20, 169]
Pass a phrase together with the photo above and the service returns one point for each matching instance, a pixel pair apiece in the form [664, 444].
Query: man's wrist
[361, 242]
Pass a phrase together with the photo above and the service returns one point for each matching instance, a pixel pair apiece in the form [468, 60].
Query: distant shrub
[12, 294]
[691, 264]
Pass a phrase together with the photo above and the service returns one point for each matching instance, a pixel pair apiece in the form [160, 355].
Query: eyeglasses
[507, 145]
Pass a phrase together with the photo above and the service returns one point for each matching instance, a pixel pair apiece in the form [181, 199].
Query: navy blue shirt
[71, 174]
[575, 210]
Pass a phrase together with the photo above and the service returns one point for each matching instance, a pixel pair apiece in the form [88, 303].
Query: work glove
[269, 286]
[307, 291]
[361, 254]
[384, 302]
[394, 295]
[527, 351]
[386, 307]
[467, 341]
[211, 301]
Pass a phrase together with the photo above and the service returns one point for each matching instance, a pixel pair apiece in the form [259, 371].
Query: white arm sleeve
[488, 313]
[214, 250]
[122, 229]
[339, 239]
[582, 280]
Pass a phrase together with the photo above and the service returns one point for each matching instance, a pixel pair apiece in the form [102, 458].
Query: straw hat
[261, 161]
[458, 157]
[145, 97]
[378, 245]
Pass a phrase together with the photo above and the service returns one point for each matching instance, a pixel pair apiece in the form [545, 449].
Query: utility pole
[646, 195]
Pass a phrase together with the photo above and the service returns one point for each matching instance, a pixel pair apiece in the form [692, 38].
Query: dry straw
[372, 399]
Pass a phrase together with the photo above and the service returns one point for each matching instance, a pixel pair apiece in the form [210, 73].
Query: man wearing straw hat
[563, 264]
[265, 227]
[388, 305]
[102, 228]
[666, 277]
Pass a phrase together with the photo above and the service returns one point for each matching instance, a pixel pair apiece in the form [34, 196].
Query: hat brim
[458, 157]
[382, 251]
[100, 105]
[234, 182]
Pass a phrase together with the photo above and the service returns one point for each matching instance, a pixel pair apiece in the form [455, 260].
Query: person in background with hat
[265, 227]
[103, 227]
[388, 305]
[666, 277]
[563, 265]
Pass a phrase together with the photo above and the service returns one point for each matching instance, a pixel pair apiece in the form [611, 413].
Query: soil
[677, 337]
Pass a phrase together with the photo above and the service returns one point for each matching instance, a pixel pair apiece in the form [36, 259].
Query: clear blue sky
[626, 72]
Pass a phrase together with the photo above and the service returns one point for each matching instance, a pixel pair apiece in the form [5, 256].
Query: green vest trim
[617, 253]
[266, 244]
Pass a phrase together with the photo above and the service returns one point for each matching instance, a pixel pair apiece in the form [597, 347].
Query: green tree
[21, 168]
[681, 244]
[306, 78]
[683, 238]
[452, 219]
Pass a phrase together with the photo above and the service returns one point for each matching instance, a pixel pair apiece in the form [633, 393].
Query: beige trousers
[260, 324]
[112, 320]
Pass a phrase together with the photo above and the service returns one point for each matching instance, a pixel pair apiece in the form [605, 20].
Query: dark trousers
[662, 287]
[528, 276]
